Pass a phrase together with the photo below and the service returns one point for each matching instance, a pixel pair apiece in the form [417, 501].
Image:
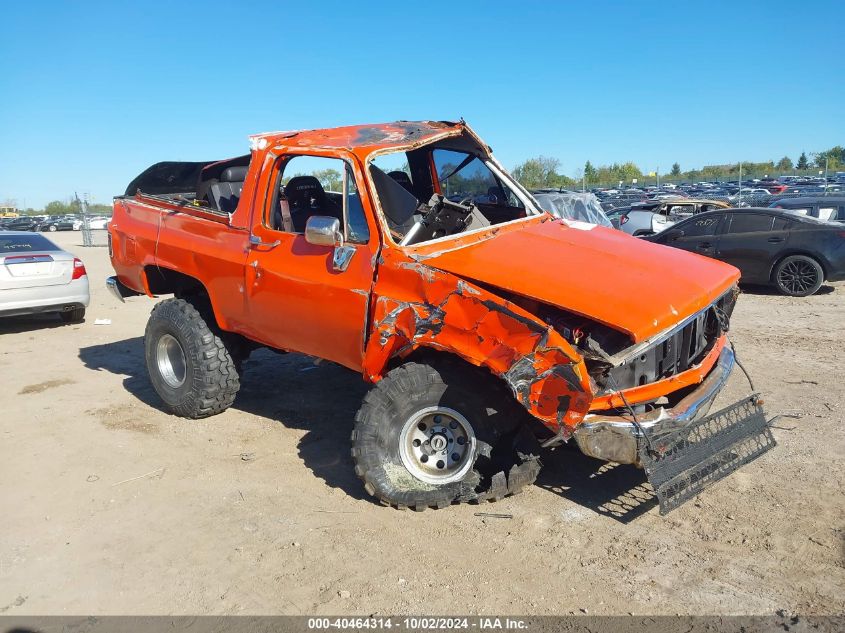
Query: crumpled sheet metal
[418, 306]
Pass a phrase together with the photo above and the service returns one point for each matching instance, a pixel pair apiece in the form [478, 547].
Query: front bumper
[616, 438]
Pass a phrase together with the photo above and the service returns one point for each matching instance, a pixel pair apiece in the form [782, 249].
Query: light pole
[740, 184]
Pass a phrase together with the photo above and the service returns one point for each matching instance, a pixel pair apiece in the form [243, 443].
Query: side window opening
[463, 176]
[751, 223]
[827, 213]
[308, 186]
[703, 226]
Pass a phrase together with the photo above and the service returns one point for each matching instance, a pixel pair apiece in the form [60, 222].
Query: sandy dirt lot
[111, 506]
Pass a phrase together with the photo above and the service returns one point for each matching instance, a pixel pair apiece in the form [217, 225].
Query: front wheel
[189, 365]
[52, 228]
[798, 276]
[429, 435]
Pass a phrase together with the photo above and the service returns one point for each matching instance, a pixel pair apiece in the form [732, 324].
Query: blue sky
[91, 93]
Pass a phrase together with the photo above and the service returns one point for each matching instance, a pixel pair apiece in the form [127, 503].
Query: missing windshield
[436, 191]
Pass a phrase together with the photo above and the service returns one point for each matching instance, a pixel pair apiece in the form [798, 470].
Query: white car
[98, 223]
[36, 276]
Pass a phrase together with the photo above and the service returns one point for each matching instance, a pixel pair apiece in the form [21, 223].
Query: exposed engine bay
[616, 363]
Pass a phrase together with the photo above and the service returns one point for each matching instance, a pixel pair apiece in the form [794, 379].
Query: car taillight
[623, 219]
[78, 269]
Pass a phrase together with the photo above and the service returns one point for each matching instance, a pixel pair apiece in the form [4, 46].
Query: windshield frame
[532, 208]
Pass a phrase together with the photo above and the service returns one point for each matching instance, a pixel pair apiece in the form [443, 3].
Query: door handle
[775, 240]
[255, 242]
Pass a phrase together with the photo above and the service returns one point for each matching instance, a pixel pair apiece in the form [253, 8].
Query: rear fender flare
[160, 280]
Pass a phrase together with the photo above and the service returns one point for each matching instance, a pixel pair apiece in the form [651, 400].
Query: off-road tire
[506, 455]
[239, 348]
[211, 379]
[76, 315]
[797, 264]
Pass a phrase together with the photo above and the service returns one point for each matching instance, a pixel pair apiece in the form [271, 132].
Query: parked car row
[52, 223]
[746, 194]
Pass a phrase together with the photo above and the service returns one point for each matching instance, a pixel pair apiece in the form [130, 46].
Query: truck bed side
[151, 240]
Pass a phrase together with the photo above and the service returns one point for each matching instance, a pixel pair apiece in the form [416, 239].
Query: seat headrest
[403, 179]
[234, 174]
[301, 185]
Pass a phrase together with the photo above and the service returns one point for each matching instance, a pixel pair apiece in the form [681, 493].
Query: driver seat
[307, 197]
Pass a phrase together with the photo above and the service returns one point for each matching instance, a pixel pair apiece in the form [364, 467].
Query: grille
[683, 348]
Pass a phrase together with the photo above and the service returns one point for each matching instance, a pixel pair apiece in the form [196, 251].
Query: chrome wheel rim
[437, 445]
[798, 276]
[170, 359]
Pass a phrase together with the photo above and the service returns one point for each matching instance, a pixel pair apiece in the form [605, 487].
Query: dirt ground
[111, 506]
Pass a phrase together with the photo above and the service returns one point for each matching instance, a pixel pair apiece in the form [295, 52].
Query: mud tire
[211, 379]
[506, 456]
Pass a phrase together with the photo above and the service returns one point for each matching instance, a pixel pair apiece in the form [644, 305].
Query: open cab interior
[442, 189]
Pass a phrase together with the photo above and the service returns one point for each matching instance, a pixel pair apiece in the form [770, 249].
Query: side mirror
[670, 235]
[323, 230]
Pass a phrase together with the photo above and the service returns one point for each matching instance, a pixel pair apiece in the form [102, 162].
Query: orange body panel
[442, 295]
[601, 273]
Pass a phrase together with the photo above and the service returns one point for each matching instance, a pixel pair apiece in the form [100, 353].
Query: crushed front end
[651, 408]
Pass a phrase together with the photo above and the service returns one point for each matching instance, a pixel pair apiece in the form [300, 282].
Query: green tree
[802, 161]
[784, 164]
[538, 173]
[589, 171]
[57, 207]
[835, 157]
[676, 170]
[331, 179]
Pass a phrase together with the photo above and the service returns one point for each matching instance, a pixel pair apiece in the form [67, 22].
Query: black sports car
[794, 253]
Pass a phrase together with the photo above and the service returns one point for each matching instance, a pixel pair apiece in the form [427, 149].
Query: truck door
[300, 296]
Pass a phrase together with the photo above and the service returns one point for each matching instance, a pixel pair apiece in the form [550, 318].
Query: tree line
[543, 171]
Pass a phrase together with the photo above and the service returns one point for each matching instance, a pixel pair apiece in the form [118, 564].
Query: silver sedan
[36, 276]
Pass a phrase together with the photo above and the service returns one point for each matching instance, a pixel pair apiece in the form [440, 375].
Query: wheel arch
[161, 280]
[441, 313]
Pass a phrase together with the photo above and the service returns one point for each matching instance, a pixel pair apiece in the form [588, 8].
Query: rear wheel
[798, 276]
[189, 365]
[73, 316]
[429, 435]
[52, 228]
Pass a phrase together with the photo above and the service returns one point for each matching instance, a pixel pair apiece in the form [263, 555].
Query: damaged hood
[621, 281]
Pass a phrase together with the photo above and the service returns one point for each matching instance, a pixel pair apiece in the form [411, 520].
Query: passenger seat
[225, 194]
